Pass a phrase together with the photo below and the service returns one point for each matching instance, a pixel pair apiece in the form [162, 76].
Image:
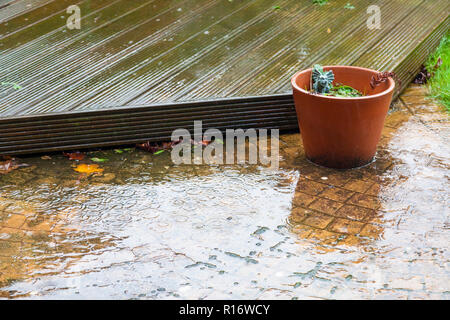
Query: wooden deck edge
[111, 127]
[410, 66]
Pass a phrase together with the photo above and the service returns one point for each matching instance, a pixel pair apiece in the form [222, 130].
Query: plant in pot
[341, 112]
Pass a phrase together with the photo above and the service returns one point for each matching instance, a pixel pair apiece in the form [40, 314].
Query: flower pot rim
[319, 96]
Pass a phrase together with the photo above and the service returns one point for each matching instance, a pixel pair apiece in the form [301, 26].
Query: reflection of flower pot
[342, 132]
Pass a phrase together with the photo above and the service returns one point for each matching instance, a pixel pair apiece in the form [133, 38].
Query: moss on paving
[320, 2]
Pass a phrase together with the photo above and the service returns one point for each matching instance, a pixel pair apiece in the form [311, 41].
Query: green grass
[439, 84]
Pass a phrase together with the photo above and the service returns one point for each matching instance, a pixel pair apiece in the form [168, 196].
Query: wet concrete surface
[144, 228]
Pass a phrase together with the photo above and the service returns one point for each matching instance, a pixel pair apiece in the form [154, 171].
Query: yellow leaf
[329, 30]
[88, 168]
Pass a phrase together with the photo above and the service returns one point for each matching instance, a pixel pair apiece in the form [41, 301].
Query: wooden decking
[136, 70]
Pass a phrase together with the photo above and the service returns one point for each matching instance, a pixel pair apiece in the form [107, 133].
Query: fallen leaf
[6, 166]
[438, 63]
[46, 158]
[329, 30]
[99, 159]
[88, 168]
[423, 76]
[167, 145]
[118, 151]
[74, 155]
[200, 143]
[154, 147]
[149, 146]
[10, 165]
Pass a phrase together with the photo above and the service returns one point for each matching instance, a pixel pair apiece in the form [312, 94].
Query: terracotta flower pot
[342, 132]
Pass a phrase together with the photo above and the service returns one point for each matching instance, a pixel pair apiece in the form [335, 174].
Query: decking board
[137, 70]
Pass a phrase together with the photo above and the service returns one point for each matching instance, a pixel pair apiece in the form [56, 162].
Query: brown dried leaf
[6, 166]
[10, 165]
[74, 155]
[154, 147]
[438, 63]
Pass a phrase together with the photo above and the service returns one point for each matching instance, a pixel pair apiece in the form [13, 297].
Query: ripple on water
[156, 230]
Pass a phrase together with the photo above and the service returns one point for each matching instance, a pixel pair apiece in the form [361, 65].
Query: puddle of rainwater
[145, 228]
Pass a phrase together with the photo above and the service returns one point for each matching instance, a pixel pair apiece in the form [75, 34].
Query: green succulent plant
[322, 81]
[344, 91]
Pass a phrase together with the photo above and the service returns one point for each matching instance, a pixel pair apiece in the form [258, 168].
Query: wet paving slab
[139, 227]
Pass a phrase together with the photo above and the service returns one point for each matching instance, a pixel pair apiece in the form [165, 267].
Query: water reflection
[145, 228]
